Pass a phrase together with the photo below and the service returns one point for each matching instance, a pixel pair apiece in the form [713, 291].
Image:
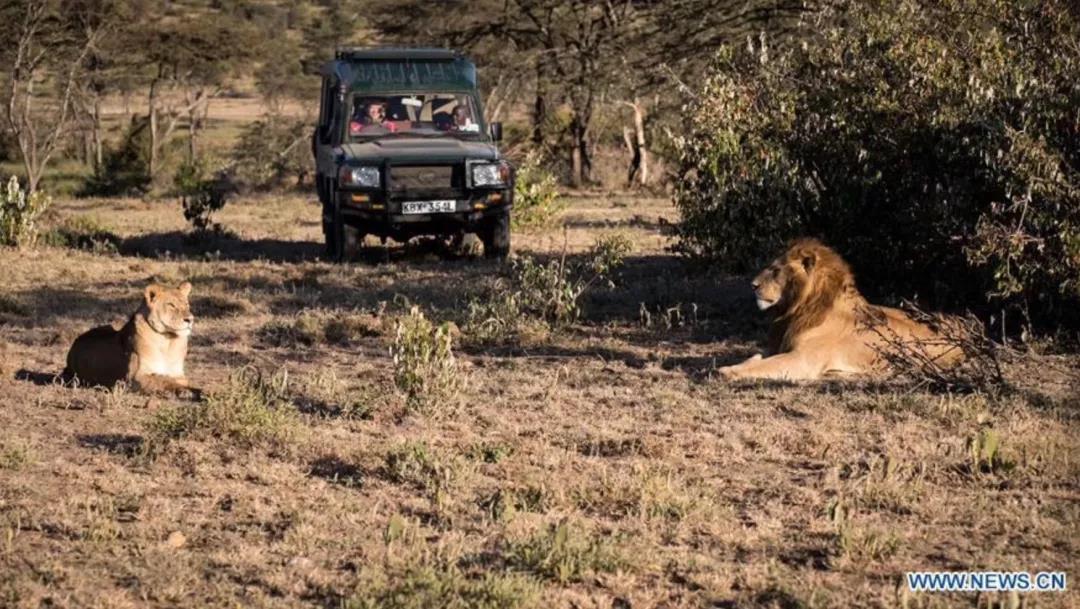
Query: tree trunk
[539, 113]
[639, 160]
[152, 108]
[192, 130]
[97, 133]
[580, 161]
[642, 151]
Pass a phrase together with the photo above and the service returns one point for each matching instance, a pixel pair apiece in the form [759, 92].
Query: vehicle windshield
[421, 114]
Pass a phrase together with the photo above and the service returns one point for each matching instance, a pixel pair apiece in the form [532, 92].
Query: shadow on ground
[228, 246]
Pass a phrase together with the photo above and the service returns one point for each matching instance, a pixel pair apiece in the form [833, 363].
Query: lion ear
[151, 293]
[185, 289]
[808, 259]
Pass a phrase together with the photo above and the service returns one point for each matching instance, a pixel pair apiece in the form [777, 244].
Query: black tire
[342, 241]
[330, 221]
[495, 235]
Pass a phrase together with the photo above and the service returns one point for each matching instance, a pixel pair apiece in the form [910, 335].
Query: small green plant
[306, 330]
[564, 553]
[984, 449]
[423, 586]
[15, 455]
[424, 366]
[417, 465]
[546, 295]
[536, 194]
[250, 409]
[490, 452]
[200, 195]
[855, 544]
[309, 329]
[19, 213]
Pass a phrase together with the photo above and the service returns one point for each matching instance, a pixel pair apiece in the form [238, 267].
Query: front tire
[495, 235]
[342, 241]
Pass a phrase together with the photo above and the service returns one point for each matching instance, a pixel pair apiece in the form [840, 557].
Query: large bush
[936, 144]
[125, 167]
[273, 152]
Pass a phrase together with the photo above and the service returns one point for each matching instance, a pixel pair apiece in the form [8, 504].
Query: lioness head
[807, 268]
[167, 310]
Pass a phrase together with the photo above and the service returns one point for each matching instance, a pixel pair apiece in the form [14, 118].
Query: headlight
[491, 174]
[367, 177]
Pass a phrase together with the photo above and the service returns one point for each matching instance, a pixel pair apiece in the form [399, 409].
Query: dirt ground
[600, 465]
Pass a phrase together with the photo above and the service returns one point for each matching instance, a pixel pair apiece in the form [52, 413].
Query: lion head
[167, 310]
[807, 273]
[800, 287]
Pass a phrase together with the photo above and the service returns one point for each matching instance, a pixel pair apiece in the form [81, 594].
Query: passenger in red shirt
[374, 118]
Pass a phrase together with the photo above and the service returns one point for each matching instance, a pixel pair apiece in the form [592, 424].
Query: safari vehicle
[402, 150]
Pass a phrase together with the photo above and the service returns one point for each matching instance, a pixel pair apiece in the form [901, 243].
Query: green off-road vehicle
[402, 150]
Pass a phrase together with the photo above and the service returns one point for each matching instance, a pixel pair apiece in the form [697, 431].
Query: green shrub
[546, 295]
[250, 409]
[424, 366]
[201, 194]
[19, 213]
[125, 167]
[564, 553]
[437, 474]
[536, 194]
[935, 144]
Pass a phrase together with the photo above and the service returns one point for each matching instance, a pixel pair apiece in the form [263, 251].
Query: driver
[372, 119]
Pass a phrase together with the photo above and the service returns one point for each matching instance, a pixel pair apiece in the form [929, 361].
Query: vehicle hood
[418, 149]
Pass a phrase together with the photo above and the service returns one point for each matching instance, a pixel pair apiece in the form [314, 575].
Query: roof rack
[394, 53]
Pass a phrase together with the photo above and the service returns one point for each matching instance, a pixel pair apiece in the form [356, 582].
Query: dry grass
[599, 464]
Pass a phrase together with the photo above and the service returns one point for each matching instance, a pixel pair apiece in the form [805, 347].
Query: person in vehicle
[463, 119]
[371, 117]
[397, 118]
[444, 121]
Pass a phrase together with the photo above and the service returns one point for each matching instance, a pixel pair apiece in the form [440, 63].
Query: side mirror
[496, 131]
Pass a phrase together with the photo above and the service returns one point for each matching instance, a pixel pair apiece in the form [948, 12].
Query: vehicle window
[326, 109]
[428, 114]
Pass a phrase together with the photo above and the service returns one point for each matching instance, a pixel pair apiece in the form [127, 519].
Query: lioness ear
[185, 289]
[152, 292]
[809, 259]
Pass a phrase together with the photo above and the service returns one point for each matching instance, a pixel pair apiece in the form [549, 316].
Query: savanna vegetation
[423, 427]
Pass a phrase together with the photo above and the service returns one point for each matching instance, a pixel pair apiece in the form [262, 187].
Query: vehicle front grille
[424, 178]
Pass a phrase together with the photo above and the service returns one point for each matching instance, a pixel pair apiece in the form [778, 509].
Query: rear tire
[495, 235]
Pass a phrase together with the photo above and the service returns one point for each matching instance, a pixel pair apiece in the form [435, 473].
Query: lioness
[148, 351]
[823, 326]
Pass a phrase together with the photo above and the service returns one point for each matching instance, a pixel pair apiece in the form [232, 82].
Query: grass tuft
[424, 366]
[564, 553]
[447, 587]
[250, 409]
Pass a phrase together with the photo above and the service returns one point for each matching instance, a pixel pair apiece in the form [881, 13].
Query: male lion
[823, 326]
[148, 351]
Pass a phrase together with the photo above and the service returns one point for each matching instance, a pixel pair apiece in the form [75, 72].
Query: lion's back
[98, 356]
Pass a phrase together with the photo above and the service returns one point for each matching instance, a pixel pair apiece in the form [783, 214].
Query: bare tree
[185, 65]
[51, 43]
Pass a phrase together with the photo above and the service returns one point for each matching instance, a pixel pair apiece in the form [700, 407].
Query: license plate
[427, 207]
